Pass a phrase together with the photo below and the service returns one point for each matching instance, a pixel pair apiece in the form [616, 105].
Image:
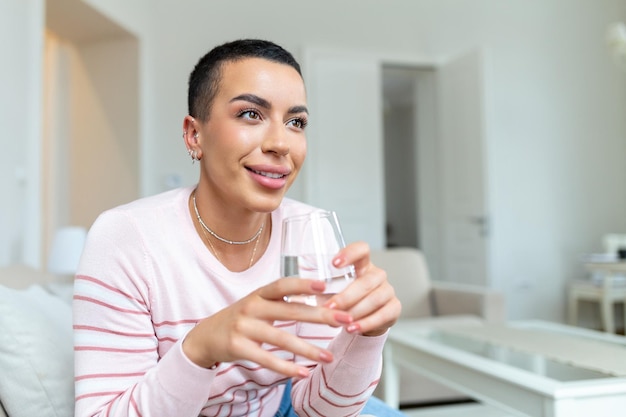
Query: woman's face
[253, 142]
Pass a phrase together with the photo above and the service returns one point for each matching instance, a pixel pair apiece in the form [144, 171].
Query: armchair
[434, 303]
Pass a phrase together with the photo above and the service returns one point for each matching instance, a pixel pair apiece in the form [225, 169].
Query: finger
[276, 337]
[371, 301]
[273, 310]
[282, 287]
[249, 347]
[252, 352]
[279, 289]
[357, 254]
[378, 322]
[377, 297]
[359, 289]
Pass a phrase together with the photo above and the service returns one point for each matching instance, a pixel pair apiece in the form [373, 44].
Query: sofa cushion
[36, 353]
[21, 276]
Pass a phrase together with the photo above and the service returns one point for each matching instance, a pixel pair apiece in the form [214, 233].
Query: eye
[298, 123]
[250, 114]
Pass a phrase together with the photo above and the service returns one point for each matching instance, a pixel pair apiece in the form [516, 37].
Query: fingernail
[303, 372]
[344, 318]
[326, 356]
[337, 261]
[353, 328]
[331, 305]
[318, 286]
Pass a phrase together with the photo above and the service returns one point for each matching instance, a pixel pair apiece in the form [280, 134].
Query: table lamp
[66, 249]
[616, 39]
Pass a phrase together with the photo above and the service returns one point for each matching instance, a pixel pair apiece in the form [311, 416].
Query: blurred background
[490, 134]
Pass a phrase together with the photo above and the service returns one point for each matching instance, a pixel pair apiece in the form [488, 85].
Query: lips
[268, 174]
[272, 177]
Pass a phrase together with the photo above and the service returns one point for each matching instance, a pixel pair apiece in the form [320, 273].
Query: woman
[178, 307]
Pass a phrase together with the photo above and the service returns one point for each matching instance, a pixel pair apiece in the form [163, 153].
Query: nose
[276, 140]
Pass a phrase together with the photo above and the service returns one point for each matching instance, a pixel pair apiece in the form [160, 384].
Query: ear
[190, 134]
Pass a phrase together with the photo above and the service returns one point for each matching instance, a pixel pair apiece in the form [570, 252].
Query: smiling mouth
[274, 175]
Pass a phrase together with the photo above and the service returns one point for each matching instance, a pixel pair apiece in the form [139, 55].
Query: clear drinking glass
[309, 243]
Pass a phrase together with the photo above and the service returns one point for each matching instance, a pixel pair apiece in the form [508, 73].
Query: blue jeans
[373, 406]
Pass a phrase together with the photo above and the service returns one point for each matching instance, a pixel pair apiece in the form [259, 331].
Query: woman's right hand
[238, 331]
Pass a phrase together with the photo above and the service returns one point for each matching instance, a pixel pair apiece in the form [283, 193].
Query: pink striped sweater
[145, 279]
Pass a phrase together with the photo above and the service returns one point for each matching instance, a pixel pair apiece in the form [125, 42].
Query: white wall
[556, 138]
[56, 145]
[104, 126]
[21, 46]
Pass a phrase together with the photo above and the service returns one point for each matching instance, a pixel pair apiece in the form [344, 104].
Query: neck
[228, 226]
[236, 244]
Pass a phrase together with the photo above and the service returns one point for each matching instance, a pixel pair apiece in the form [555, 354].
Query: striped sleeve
[118, 367]
[341, 388]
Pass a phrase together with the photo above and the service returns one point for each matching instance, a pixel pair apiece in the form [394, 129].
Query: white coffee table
[526, 368]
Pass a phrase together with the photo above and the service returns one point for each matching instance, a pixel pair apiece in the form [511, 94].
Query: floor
[460, 410]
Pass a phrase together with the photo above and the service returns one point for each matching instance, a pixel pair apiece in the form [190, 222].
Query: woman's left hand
[370, 299]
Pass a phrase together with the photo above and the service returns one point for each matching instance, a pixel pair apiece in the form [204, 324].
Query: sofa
[36, 344]
[427, 302]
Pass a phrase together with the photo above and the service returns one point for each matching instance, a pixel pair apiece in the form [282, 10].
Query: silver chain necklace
[218, 237]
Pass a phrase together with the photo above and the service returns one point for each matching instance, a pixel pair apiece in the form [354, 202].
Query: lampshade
[616, 35]
[616, 39]
[67, 246]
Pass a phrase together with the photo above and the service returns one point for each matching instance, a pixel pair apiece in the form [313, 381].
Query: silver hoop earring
[193, 155]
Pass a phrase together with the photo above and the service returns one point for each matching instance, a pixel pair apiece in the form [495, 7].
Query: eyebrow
[259, 101]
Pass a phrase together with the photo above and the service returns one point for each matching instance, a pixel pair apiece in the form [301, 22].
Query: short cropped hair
[205, 78]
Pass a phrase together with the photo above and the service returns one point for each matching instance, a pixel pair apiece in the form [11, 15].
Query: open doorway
[400, 150]
[411, 159]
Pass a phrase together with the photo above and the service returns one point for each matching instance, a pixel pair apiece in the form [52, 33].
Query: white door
[461, 124]
[344, 166]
